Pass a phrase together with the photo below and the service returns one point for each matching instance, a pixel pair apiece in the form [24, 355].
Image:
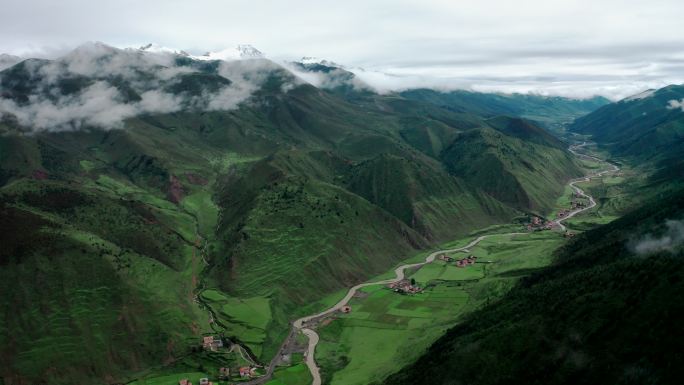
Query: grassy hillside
[512, 168]
[644, 128]
[275, 203]
[108, 283]
[601, 314]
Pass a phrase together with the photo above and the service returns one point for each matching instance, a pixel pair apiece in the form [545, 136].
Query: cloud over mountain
[98, 86]
[672, 237]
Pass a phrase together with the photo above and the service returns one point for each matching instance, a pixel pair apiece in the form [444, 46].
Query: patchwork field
[386, 330]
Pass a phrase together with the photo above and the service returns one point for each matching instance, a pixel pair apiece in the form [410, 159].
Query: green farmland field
[386, 330]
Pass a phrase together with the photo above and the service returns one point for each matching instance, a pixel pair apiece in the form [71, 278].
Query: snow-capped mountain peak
[315, 60]
[239, 52]
[156, 48]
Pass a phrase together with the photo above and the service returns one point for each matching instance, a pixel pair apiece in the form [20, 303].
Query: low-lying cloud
[674, 104]
[110, 85]
[672, 238]
[99, 105]
[334, 77]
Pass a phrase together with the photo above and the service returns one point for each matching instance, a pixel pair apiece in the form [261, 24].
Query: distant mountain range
[646, 129]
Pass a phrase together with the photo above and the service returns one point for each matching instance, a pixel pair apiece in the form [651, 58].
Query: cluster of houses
[463, 262]
[537, 224]
[577, 204]
[470, 260]
[212, 343]
[405, 287]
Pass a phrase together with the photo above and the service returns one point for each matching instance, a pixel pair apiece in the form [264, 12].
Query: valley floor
[384, 329]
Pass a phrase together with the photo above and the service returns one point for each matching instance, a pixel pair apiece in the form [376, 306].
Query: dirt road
[303, 324]
[579, 191]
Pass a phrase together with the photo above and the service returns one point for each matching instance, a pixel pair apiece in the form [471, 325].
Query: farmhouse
[244, 371]
[205, 381]
[212, 343]
[405, 287]
[184, 381]
[537, 224]
[247, 371]
[446, 258]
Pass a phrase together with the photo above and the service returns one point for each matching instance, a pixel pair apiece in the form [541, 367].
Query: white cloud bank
[671, 239]
[99, 105]
[674, 104]
[110, 76]
[569, 47]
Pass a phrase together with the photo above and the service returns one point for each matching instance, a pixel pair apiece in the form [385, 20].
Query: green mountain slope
[645, 128]
[282, 198]
[601, 314]
[514, 162]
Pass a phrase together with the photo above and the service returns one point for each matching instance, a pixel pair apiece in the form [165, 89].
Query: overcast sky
[567, 47]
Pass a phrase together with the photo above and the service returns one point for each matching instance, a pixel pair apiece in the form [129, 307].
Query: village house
[346, 309]
[247, 371]
[212, 343]
[536, 224]
[205, 381]
[446, 258]
[184, 381]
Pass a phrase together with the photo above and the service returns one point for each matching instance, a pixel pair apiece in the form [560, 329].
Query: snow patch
[239, 52]
[315, 60]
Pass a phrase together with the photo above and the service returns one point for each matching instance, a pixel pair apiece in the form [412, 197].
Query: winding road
[579, 191]
[303, 324]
